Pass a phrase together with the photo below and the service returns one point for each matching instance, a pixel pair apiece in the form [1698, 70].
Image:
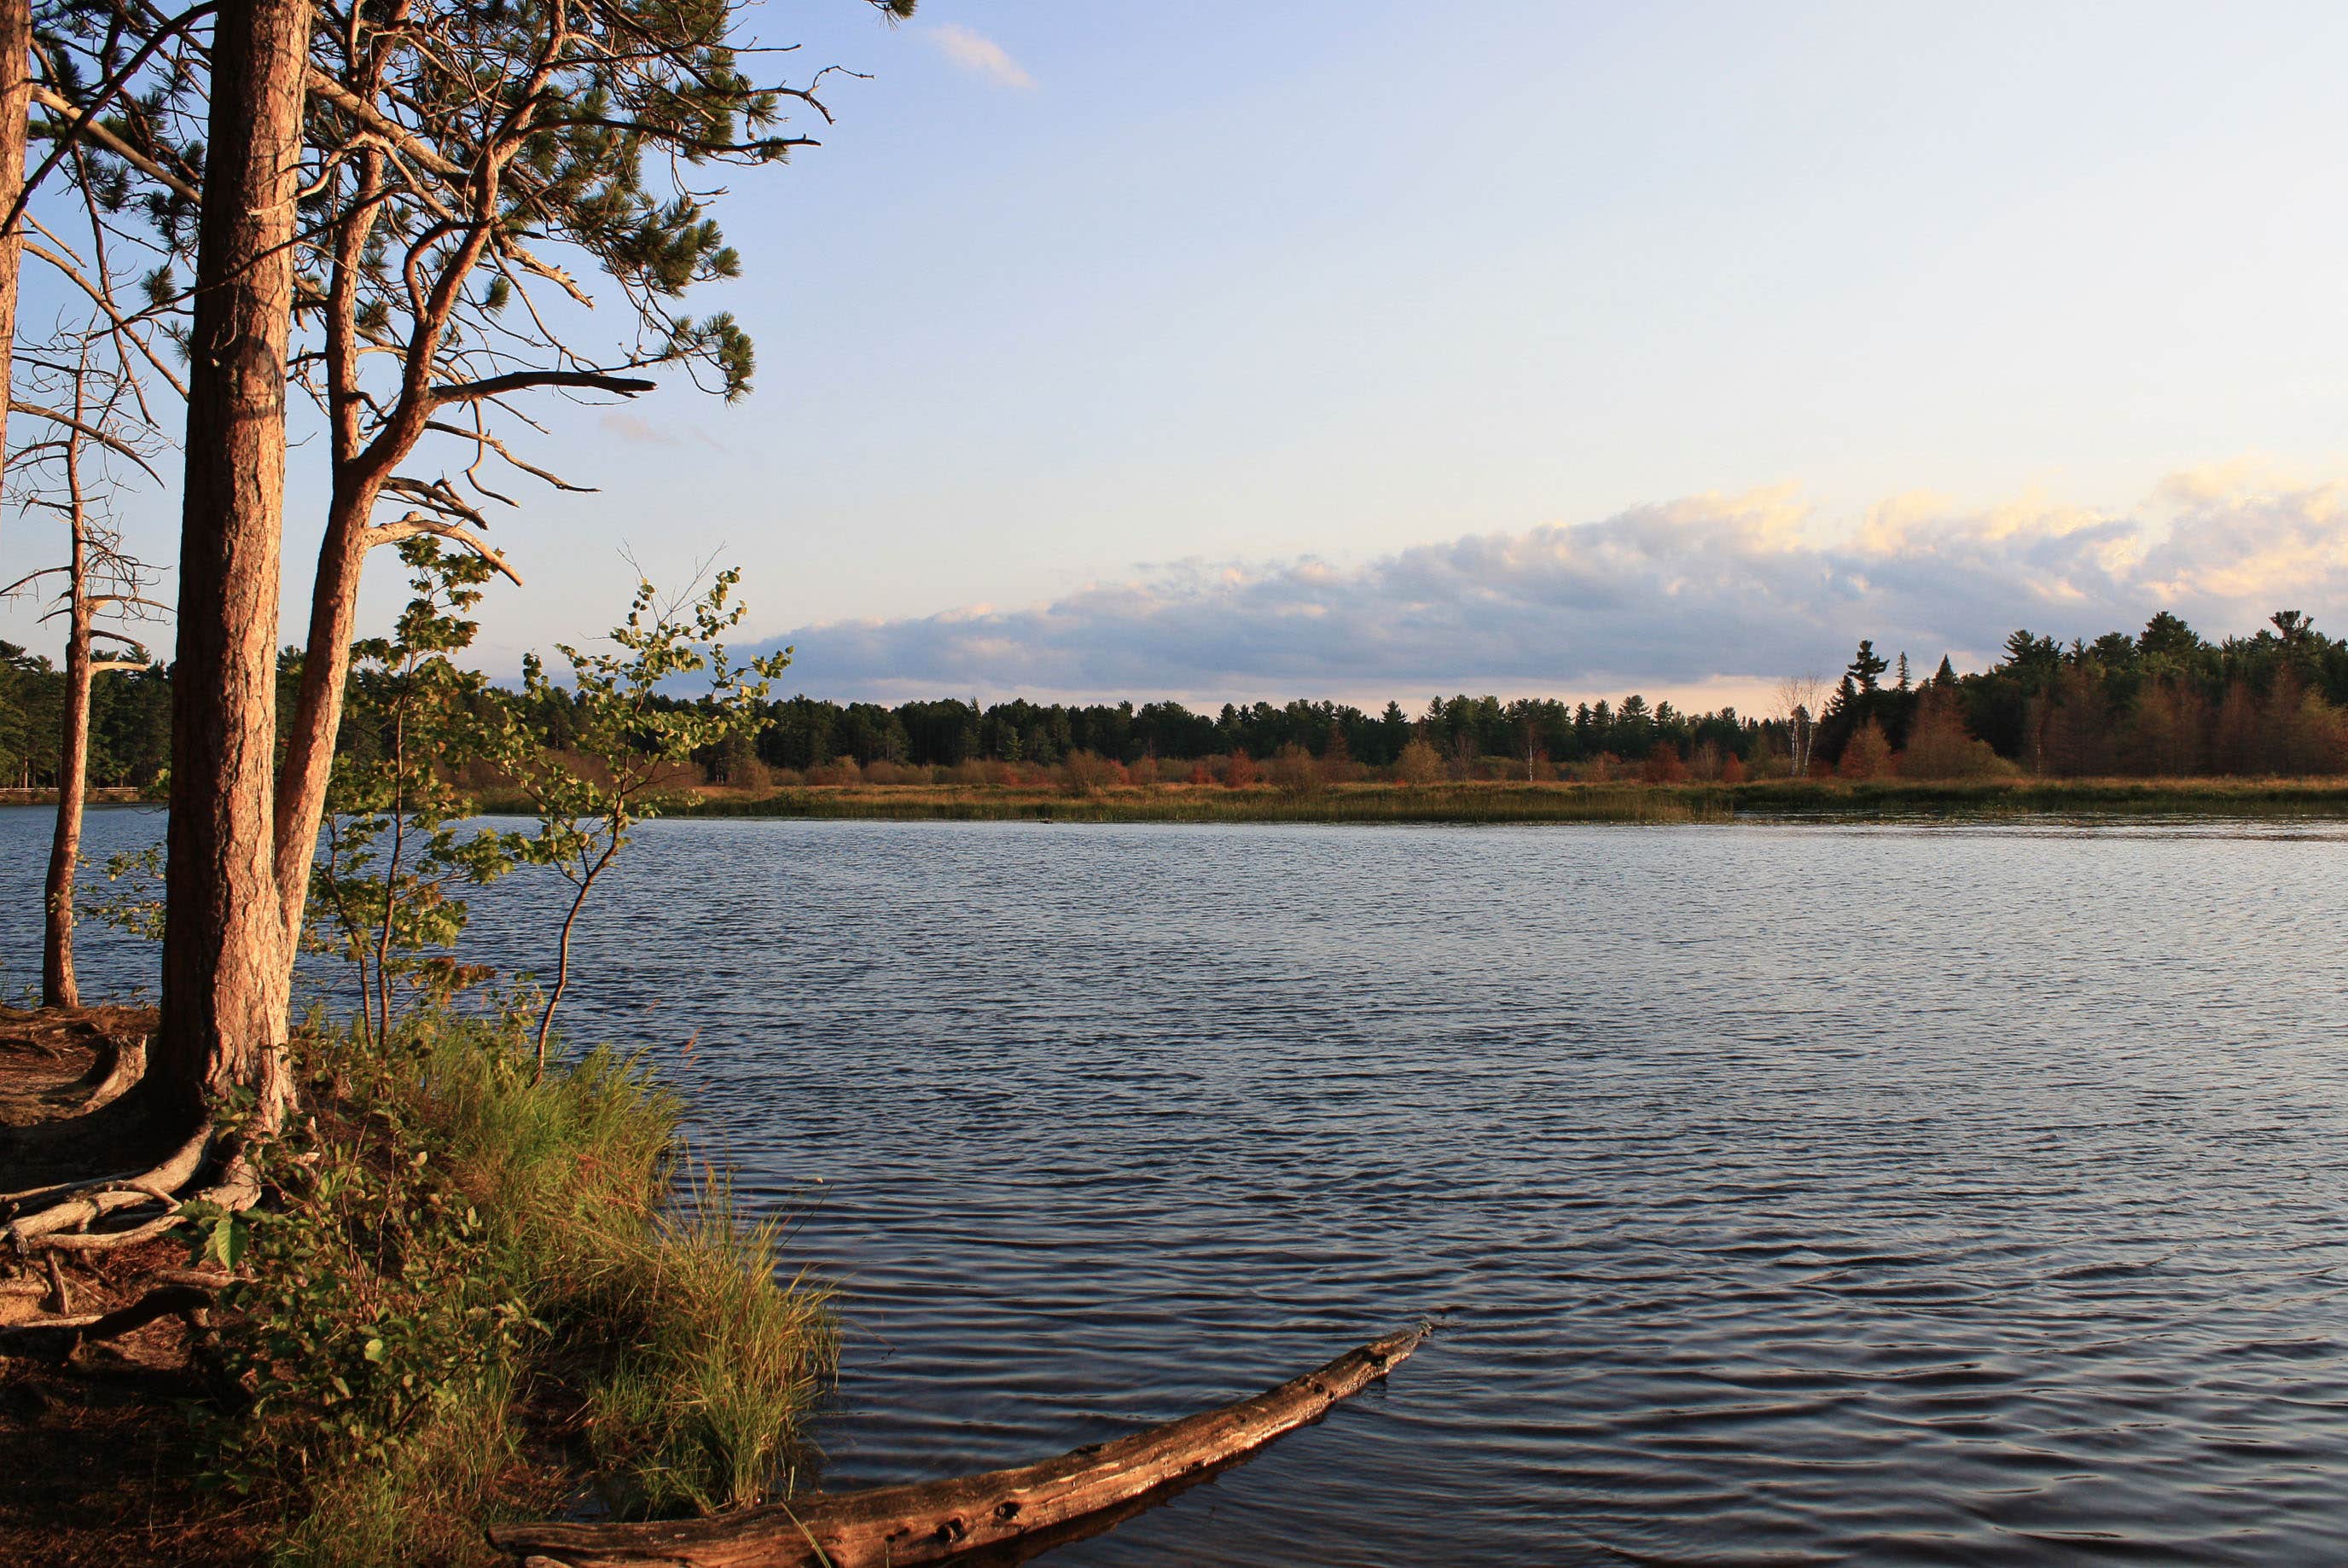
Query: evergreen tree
[2166, 636]
[1867, 666]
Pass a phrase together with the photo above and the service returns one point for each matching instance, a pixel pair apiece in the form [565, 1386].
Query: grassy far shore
[1483, 800]
[1493, 801]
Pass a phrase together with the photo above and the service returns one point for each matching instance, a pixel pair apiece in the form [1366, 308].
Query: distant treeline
[2160, 703]
[129, 724]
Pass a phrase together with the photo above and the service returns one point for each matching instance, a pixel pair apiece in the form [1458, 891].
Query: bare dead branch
[484, 438]
[112, 443]
[417, 523]
[523, 380]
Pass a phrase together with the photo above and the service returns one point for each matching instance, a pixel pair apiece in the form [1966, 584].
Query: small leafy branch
[382, 892]
[643, 741]
[132, 902]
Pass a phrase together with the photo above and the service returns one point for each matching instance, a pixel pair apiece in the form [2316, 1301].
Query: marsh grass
[656, 1361]
[2205, 798]
[1495, 801]
[1466, 803]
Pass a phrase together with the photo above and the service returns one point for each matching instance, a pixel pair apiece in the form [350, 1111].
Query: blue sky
[1147, 350]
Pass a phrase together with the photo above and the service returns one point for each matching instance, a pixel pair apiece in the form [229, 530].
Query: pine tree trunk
[15, 105]
[59, 988]
[224, 971]
[318, 710]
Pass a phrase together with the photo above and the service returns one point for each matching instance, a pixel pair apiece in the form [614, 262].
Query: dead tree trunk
[900, 1526]
[59, 988]
[224, 973]
[15, 108]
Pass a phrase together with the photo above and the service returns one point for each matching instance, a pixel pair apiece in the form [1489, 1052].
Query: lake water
[1788, 1194]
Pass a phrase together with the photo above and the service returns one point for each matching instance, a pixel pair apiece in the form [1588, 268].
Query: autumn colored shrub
[1867, 755]
[1940, 747]
[1089, 773]
[1663, 765]
[1240, 771]
[1418, 764]
[1294, 771]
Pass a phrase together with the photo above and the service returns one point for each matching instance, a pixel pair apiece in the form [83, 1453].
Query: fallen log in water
[932, 1522]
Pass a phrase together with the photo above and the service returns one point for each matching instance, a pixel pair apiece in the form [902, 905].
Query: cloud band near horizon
[1709, 594]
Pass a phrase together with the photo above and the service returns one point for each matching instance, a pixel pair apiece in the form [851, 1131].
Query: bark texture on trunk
[224, 970]
[935, 1522]
[318, 708]
[15, 104]
[59, 988]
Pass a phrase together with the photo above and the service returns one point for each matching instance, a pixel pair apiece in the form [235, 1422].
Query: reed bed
[1496, 801]
[1470, 803]
[2204, 798]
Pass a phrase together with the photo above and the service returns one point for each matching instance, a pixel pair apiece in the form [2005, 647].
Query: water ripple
[1790, 1195]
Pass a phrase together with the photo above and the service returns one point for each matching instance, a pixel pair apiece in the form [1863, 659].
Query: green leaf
[226, 1240]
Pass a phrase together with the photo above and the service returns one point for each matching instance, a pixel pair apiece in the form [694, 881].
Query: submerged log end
[932, 1522]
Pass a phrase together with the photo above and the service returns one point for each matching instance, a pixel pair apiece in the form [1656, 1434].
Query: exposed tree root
[107, 1045]
[58, 1338]
[72, 1116]
[63, 1214]
[123, 1073]
[163, 1291]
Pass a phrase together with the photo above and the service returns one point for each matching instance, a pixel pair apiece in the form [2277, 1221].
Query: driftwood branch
[900, 1526]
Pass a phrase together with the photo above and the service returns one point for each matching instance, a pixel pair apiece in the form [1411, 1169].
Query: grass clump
[701, 1409]
[477, 1296]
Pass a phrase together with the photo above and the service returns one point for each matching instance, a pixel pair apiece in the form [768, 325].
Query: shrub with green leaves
[373, 1300]
[382, 891]
[618, 717]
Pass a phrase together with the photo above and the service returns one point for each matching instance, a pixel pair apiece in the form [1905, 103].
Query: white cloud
[631, 427]
[979, 54]
[1709, 592]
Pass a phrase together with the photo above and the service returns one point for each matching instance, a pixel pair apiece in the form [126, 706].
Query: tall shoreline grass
[485, 1297]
